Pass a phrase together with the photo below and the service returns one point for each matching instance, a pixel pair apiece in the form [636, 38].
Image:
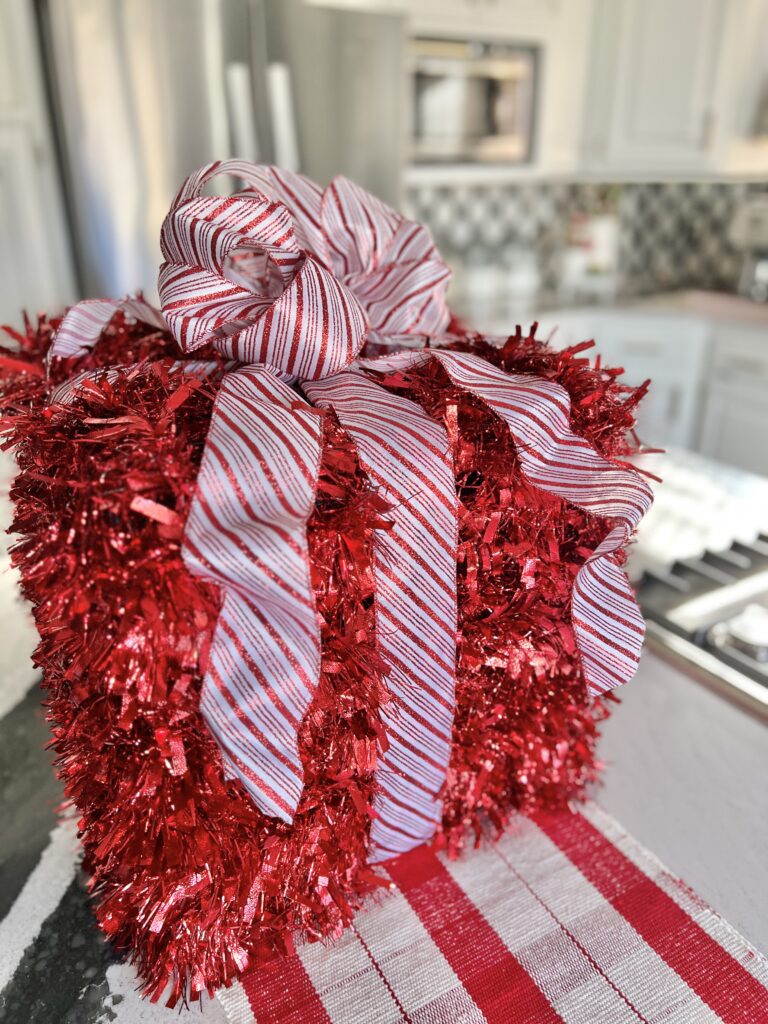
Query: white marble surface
[734, 309]
[687, 775]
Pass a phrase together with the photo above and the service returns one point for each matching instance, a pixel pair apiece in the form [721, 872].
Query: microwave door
[455, 117]
[508, 109]
[470, 107]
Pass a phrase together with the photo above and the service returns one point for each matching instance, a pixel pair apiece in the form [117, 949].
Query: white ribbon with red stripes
[289, 281]
[406, 457]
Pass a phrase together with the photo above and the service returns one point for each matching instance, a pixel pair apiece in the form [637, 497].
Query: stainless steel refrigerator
[145, 91]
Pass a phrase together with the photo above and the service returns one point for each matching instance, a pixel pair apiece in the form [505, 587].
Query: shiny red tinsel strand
[188, 876]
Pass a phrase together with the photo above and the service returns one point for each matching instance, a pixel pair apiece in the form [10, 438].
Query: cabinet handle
[751, 367]
[673, 405]
[708, 124]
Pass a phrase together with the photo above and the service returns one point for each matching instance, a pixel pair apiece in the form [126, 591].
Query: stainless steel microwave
[472, 101]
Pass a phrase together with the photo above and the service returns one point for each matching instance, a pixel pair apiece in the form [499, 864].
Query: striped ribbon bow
[289, 281]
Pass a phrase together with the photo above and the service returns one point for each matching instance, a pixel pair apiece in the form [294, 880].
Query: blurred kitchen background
[600, 166]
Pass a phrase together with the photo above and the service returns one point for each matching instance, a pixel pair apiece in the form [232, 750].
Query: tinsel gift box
[318, 575]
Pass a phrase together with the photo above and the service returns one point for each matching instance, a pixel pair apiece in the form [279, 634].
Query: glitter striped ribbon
[607, 623]
[406, 456]
[288, 281]
[246, 531]
[606, 620]
[83, 324]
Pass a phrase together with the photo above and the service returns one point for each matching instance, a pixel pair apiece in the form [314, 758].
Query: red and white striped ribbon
[606, 620]
[247, 532]
[298, 194]
[390, 263]
[406, 456]
[294, 278]
[607, 623]
[83, 324]
[282, 307]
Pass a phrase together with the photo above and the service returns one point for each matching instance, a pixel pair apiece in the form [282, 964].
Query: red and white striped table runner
[566, 919]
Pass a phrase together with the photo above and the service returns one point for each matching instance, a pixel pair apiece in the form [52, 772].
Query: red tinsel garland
[187, 874]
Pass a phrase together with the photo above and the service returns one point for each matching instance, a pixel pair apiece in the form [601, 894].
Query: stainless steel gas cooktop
[701, 569]
[713, 610]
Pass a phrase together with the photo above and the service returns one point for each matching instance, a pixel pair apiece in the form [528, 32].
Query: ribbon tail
[607, 623]
[406, 455]
[606, 620]
[246, 531]
[73, 387]
[83, 324]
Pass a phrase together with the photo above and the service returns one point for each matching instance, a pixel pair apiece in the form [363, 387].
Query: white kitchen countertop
[687, 769]
[709, 305]
[687, 775]
[572, 320]
[716, 307]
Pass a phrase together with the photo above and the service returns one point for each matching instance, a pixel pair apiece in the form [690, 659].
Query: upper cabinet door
[655, 80]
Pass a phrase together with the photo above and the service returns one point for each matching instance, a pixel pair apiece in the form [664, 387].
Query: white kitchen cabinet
[559, 29]
[35, 263]
[670, 350]
[627, 89]
[735, 426]
[651, 97]
[467, 17]
[512, 18]
[665, 417]
[734, 423]
[674, 87]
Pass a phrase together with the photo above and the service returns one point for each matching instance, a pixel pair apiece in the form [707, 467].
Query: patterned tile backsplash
[669, 236]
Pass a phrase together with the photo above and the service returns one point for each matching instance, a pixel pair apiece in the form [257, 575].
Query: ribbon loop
[276, 304]
[389, 262]
[202, 231]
